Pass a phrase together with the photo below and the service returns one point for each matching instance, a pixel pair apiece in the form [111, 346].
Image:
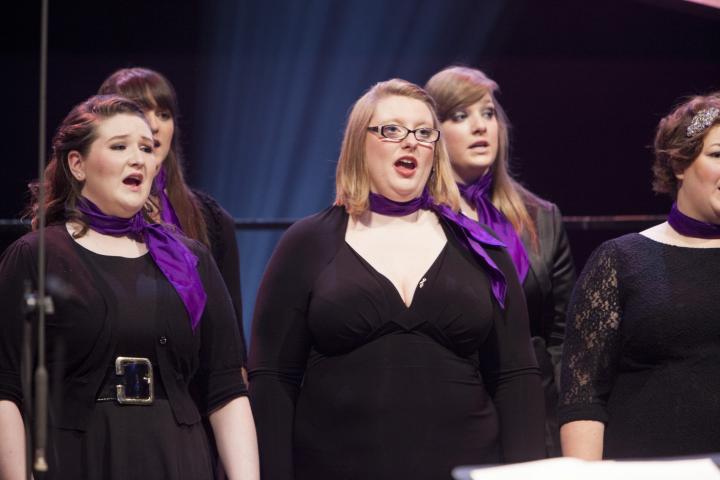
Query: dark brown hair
[77, 132]
[152, 90]
[674, 150]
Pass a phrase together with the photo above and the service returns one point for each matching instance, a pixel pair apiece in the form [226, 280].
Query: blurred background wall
[265, 86]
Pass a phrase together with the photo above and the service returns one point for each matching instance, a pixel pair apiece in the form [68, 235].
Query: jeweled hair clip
[703, 119]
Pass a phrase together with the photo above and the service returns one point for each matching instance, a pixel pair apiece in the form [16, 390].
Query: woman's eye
[146, 148]
[714, 154]
[458, 116]
[488, 113]
[164, 115]
[424, 132]
[117, 146]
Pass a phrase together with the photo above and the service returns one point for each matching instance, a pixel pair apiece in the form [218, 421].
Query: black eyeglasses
[398, 132]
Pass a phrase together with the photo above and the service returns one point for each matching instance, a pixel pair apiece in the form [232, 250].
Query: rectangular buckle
[137, 385]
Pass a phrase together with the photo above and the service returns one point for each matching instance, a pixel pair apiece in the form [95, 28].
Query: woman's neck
[370, 219]
[108, 245]
[467, 209]
[664, 233]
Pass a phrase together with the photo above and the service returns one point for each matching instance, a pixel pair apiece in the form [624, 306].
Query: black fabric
[93, 296]
[223, 245]
[547, 290]
[347, 382]
[642, 353]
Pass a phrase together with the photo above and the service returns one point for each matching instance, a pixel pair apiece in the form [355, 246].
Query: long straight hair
[152, 90]
[459, 87]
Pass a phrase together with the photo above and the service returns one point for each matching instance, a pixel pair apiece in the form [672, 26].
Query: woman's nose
[477, 123]
[152, 121]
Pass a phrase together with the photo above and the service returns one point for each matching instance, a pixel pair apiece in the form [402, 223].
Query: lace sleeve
[591, 339]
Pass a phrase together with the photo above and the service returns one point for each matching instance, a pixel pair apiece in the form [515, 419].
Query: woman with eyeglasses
[139, 313]
[641, 363]
[475, 128]
[390, 336]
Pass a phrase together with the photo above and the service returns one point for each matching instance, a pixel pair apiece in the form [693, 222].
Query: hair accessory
[703, 119]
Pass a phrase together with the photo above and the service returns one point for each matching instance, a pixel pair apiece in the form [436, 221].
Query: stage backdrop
[265, 87]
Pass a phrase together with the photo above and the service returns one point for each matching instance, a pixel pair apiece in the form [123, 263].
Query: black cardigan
[211, 356]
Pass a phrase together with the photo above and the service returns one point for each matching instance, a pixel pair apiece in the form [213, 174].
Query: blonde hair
[459, 87]
[352, 179]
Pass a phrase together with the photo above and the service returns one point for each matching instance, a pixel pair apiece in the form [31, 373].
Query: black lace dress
[642, 348]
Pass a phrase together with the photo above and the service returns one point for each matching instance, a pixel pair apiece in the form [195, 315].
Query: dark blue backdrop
[265, 85]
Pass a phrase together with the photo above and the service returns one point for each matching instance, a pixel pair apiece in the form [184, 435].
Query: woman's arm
[590, 355]
[234, 431]
[12, 442]
[583, 439]
[562, 278]
[510, 369]
[16, 267]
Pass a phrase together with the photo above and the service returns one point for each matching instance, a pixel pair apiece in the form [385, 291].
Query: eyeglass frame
[379, 130]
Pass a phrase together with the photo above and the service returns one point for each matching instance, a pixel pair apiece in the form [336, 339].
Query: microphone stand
[37, 304]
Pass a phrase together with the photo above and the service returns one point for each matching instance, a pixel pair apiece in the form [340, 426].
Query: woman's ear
[76, 164]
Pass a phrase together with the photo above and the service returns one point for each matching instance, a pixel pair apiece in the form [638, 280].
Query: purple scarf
[475, 235]
[167, 212]
[477, 194]
[690, 227]
[172, 256]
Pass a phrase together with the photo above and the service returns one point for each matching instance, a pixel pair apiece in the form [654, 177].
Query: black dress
[347, 382]
[223, 246]
[642, 349]
[113, 306]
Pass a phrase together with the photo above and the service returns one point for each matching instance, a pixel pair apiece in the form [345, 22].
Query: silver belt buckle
[137, 384]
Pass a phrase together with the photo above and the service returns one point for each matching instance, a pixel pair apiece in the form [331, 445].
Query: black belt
[131, 381]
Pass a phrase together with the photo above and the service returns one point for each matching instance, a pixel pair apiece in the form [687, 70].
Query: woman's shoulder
[620, 252]
[319, 227]
[214, 213]
[314, 237]
[539, 207]
[56, 236]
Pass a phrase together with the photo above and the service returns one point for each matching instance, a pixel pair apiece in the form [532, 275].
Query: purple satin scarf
[690, 227]
[477, 194]
[475, 235]
[167, 212]
[172, 256]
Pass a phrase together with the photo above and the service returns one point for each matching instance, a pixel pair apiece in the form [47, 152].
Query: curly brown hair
[674, 150]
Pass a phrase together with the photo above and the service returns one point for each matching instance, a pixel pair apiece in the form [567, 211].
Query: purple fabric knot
[170, 254]
[476, 237]
[167, 212]
[690, 227]
[477, 194]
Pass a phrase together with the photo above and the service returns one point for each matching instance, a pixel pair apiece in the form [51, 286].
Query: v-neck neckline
[398, 295]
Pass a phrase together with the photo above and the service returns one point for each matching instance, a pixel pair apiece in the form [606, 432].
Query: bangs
[148, 89]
